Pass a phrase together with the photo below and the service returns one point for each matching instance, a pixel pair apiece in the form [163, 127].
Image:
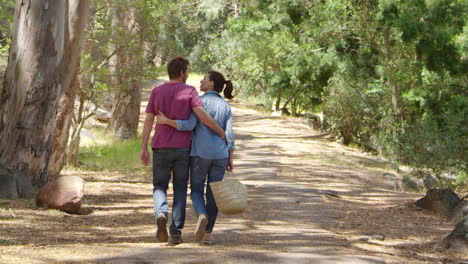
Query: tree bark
[126, 112]
[61, 131]
[127, 98]
[74, 148]
[396, 94]
[32, 88]
[78, 12]
[42, 64]
[78, 122]
[278, 99]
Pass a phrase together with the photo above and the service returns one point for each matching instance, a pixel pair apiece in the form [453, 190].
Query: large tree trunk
[78, 13]
[62, 128]
[42, 64]
[32, 88]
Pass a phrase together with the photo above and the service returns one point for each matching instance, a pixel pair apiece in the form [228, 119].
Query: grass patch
[4, 214]
[30, 202]
[5, 242]
[461, 182]
[105, 152]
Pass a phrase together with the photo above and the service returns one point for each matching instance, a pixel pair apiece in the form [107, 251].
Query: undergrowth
[107, 153]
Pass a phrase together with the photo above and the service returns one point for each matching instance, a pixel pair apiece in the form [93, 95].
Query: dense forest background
[389, 76]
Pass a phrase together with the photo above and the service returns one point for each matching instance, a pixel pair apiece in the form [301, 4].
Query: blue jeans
[202, 169]
[165, 161]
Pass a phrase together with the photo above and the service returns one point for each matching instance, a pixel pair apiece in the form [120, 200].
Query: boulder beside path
[442, 202]
[447, 204]
[457, 240]
[64, 193]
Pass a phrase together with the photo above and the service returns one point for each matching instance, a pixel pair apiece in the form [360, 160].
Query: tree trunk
[127, 99]
[126, 112]
[78, 122]
[32, 88]
[78, 12]
[278, 99]
[74, 148]
[62, 128]
[290, 98]
[396, 94]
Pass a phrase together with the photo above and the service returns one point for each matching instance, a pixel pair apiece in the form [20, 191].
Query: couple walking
[191, 133]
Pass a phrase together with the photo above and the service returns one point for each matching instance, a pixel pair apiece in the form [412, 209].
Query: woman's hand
[162, 119]
[230, 166]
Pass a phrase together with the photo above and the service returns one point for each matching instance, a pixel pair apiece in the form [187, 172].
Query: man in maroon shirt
[171, 148]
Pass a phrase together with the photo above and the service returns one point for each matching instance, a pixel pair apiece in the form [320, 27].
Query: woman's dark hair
[219, 82]
[176, 66]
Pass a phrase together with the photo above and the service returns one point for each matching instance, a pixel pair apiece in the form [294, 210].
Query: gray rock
[431, 182]
[389, 175]
[411, 183]
[14, 183]
[457, 240]
[313, 121]
[459, 212]
[378, 237]
[7, 183]
[108, 102]
[102, 115]
[442, 202]
[93, 123]
[364, 239]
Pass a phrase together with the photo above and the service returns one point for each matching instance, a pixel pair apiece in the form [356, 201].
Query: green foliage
[108, 153]
[353, 106]
[432, 25]
[270, 55]
[461, 180]
[7, 11]
[389, 75]
[439, 135]
[4, 52]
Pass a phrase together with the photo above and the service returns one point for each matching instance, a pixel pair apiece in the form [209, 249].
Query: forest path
[311, 200]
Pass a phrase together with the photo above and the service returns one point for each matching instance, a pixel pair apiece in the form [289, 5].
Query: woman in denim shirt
[210, 155]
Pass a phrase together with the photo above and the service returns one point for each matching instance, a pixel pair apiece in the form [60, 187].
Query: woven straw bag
[230, 196]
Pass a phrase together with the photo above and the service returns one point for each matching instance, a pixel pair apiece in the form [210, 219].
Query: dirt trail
[311, 200]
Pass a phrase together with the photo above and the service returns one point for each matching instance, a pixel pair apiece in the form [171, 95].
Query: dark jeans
[165, 161]
[206, 171]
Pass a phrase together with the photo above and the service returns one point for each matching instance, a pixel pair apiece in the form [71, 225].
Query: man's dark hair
[176, 66]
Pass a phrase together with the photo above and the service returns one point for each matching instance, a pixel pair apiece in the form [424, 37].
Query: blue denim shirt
[205, 142]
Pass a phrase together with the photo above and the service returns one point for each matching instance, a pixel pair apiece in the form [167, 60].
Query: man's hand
[206, 119]
[145, 158]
